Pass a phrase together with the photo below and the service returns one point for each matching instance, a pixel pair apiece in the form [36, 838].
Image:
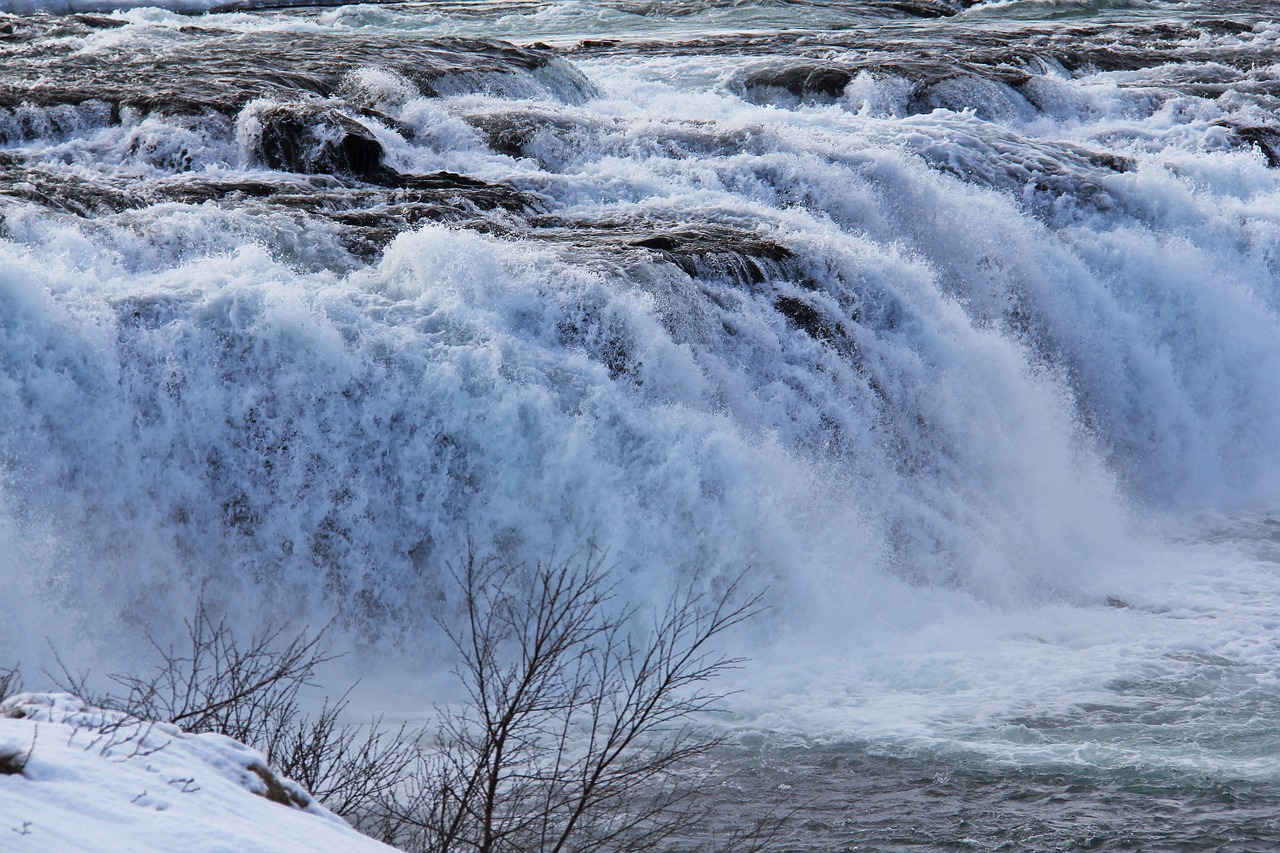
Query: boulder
[315, 139]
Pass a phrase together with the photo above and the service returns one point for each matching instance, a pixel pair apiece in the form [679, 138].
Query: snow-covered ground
[74, 777]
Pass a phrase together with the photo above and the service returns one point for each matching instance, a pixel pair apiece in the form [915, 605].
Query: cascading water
[955, 325]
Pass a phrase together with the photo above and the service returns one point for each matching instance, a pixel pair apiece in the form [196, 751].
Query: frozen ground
[73, 777]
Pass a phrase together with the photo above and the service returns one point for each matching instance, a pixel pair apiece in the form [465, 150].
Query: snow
[94, 780]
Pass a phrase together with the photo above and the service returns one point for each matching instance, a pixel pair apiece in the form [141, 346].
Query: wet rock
[738, 255]
[1225, 26]
[478, 194]
[1044, 174]
[510, 132]
[990, 90]
[927, 8]
[22, 123]
[370, 215]
[197, 70]
[553, 139]
[806, 317]
[79, 194]
[1265, 139]
[316, 140]
[717, 251]
[802, 80]
[991, 100]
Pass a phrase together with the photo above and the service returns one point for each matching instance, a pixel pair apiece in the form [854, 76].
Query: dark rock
[992, 100]
[803, 80]
[805, 316]
[920, 10]
[78, 194]
[1265, 139]
[1225, 26]
[317, 140]
[718, 251]
[927, 8]
[510, 132]
[371, 214]
[442, 187]
[1107, 159]
[662, 244]
[197, 70]
[554, 139]
[99, 22]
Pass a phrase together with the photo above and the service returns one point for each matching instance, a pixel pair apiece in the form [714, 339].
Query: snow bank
[74, 777]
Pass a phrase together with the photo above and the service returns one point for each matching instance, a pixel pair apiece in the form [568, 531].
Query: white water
[1032, 400]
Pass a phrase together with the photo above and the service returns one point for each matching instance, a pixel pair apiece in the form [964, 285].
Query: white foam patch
[1191, 642]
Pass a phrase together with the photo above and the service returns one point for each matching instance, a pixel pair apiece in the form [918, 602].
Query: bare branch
[576, 722]
[577, 729]
[10, 682]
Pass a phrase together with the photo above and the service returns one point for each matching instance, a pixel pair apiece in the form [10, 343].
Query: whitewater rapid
[960, 335]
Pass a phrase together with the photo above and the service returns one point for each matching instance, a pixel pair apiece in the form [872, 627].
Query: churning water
[956, 325]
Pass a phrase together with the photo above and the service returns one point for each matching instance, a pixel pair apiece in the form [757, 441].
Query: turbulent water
[956, 326]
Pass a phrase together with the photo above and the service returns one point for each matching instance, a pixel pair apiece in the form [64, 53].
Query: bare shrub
[250, 692]
[577, 725]
[215, 684]
[10, 682]
[349, 769]
[577, 731]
